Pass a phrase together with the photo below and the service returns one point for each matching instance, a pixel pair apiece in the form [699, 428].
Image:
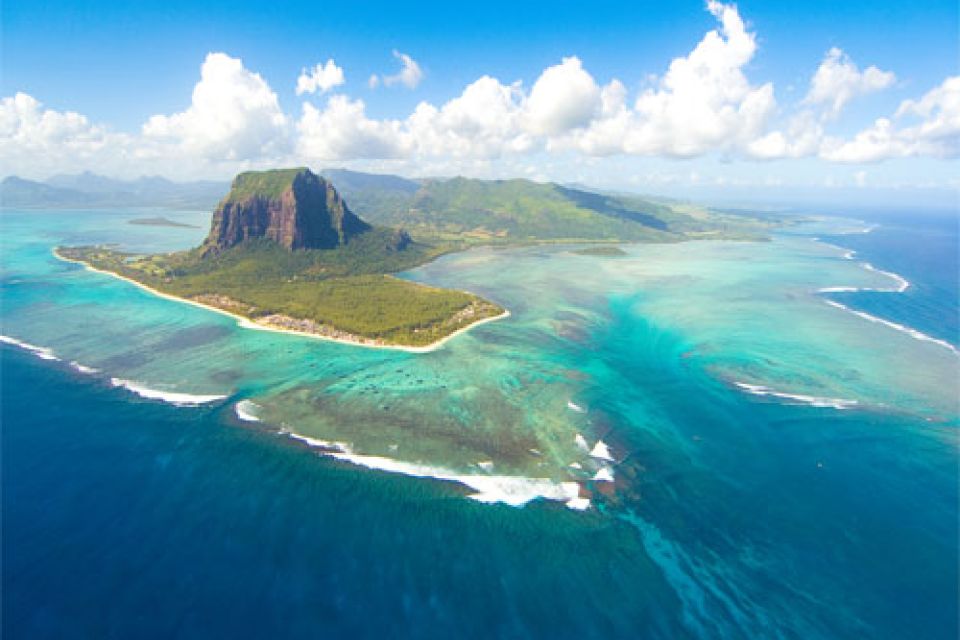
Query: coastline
[247, 323]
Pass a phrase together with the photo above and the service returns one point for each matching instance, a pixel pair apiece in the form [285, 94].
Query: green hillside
[466, 211]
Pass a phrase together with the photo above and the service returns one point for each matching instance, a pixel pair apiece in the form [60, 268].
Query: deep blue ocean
[125, 518]
[924, 249]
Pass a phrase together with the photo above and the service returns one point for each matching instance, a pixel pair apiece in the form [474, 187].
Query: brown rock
[293, 207]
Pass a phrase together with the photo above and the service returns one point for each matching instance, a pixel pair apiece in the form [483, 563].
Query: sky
[853, 101]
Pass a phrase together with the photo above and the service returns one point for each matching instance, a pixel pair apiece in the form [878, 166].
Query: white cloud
[321, 78]
[485, 121]
[803, 137]
[703, 103]
[342, 131]
[234, 115]
[936, 135]
[564, 97]
[410, 73]
[35, 140]
[838, 80]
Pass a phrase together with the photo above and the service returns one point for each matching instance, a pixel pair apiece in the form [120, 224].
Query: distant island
[160, 222]
[609, 252]
[286, 253]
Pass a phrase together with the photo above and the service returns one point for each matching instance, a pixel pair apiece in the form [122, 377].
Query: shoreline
[247, 323]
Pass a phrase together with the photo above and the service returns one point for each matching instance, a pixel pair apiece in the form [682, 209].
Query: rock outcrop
[293, 207]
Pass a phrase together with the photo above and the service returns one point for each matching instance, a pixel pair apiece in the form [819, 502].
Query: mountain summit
[293, 207]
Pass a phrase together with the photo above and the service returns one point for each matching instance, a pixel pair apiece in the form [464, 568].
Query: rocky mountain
[295, 208]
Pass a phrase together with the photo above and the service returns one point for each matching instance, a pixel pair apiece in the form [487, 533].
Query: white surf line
[246, 410]
[83, 368]
[171, 397]
[902, 285]
[573, 406]
[247, 323]
[44, 353]
[814, 401]
[893, 325]
[515, 491]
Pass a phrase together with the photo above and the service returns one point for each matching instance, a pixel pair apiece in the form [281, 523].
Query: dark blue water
[924, 248]
[130, 519]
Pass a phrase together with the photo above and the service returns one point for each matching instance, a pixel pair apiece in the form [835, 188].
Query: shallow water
[782, 467]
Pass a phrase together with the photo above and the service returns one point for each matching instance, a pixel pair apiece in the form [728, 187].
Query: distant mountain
[93, 190]
[294, 208]
[505, 211]
[17, 192]
[355, 181]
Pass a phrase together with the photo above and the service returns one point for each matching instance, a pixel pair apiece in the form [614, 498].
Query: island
[286, 253]
[607, 252]
[160, 221]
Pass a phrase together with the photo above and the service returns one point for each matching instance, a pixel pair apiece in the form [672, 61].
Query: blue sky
[119, 64]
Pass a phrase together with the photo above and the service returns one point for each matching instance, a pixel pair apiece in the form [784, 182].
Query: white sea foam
[246, 410]
[581, 442]
[813, 401]
[604, 474]
[515, 491]
[902, 283]
[83, 368]
[578, 503]
[342, 447]
[41, 352]
[893, 325]
[575, 465]
[601, 451]
[172, 397]
[839, 290]
[573, 406]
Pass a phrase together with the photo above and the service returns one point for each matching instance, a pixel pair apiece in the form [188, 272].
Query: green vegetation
[340, 293]
[267, 184]
[464, 212]
[612, 252]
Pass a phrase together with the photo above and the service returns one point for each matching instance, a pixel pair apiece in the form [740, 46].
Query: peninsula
[286, 253]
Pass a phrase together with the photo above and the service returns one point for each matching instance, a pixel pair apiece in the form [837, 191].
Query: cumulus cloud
[234, 115]
[410, 74]
[704, 102]
[41, 140]
[838, 80]
[936, 134]
[485, 121]
[342, 131]
[322, 78]
[564, 97]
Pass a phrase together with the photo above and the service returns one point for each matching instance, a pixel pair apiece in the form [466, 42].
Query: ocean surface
[700, 440]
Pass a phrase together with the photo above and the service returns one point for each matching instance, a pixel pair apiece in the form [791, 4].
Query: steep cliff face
[293, 207]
